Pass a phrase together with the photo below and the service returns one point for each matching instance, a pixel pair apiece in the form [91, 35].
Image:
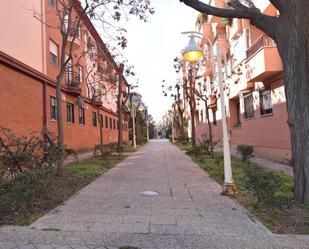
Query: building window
[265, 102]
[248, 105]
[70, 113]
[114, 124]
[81, 115]
[53, 3]
[80, 73]
[94, 118]
[110, 123]
[53, 108]
[238, 124]
[106, 122]
[101, 120]
[214, 118]
[53, 52]
[77, 34]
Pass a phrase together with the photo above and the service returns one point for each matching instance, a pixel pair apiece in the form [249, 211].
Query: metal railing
[72, 78]
[263, 41]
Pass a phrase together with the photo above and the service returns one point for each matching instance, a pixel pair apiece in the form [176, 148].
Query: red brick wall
[268, 134]
[21, 102]
[21, 109]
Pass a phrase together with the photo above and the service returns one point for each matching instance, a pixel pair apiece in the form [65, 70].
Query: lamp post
[133, 114]
[193, 53]
[135, 104]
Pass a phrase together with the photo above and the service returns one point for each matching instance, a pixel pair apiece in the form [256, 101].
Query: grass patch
[280, 215]
[26, 219]
[25, 201]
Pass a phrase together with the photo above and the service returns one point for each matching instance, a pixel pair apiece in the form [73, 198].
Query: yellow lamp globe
[192, 52]
[140, 108]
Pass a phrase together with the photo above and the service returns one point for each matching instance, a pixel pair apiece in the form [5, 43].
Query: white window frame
[53, 52]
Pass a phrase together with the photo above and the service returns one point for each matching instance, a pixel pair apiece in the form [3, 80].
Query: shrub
[246, 151]
[196, 150]
[22, 154]
[262, 183]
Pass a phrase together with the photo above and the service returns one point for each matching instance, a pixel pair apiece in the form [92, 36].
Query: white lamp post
[135, 104]
[193, 53]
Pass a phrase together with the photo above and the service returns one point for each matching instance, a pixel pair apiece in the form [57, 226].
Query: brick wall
[21, 109]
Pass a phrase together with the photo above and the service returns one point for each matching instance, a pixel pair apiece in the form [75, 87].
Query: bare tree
[290, 30]
[71, 14]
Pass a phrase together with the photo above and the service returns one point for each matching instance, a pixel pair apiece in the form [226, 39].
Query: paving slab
[188, 213]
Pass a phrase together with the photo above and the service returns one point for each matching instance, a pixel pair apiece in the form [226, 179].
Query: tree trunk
[293, 48]
[120, 113]
[211, 143]
[182, 127]
[101, 131]
[192, 106]
[60, 167]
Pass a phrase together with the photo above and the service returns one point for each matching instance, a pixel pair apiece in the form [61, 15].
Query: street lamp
[135, 105]
[229, 187]
[193, 51]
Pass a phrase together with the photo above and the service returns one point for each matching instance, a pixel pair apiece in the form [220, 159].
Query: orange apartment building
[29, 64]
[254, 90]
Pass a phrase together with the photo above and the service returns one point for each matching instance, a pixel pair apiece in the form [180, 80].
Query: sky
[152, 46]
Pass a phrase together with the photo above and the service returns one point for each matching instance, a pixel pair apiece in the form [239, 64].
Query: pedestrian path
[188, 213]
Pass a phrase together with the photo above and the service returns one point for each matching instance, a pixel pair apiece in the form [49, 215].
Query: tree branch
[268, 24]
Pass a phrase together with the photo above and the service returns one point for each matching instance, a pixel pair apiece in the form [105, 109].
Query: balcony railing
[263, 41]
[72, 79]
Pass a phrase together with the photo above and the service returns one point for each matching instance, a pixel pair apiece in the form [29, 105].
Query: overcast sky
[152, 47]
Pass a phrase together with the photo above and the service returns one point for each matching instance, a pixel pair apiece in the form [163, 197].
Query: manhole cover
[150, 193]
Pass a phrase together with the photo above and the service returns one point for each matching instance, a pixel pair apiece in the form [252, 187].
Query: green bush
[246, 151]
[262, 183]
[196, 151]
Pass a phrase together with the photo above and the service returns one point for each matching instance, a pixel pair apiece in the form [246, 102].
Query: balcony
[263, 60]
[73, 83]
[98, 102]
[74, 31]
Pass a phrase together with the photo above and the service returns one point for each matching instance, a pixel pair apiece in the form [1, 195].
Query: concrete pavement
[188, 213]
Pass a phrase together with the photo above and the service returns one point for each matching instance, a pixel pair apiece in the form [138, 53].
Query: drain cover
[150, 193]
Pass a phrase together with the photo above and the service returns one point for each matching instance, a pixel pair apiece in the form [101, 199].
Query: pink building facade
[253, 86]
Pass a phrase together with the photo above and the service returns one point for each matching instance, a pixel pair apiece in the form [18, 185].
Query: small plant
[196, 151]
[51, 229]
[262, 183]
[207, 144]
[246, 152]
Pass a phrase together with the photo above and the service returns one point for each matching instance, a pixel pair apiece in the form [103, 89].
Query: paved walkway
[189, 212]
